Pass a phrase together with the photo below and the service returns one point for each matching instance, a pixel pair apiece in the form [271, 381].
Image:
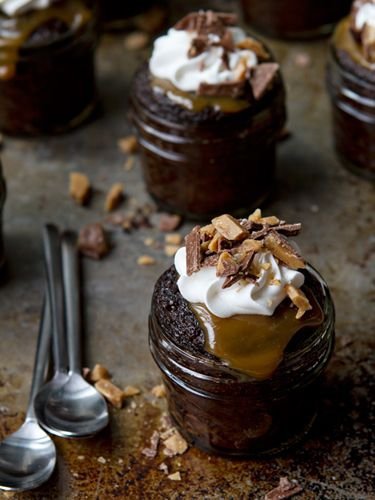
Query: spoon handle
[41, 356]
[52, 256]
[72, 299]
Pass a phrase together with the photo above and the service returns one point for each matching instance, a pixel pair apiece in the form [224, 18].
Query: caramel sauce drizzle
[344, 40]
[255, 344]
[15, 31]
[198, 103]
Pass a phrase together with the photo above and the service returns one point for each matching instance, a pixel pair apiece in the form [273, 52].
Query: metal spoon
[74, 408]
[28, 457]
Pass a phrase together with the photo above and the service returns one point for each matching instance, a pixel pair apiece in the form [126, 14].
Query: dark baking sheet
[337, 211]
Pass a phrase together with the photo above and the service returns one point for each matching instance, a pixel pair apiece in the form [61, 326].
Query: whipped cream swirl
[16, 7]
[261, 297]
[170, 61]
[365, 15]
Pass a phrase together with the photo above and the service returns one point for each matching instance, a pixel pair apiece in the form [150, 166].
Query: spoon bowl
[27, 458]
[71, 408]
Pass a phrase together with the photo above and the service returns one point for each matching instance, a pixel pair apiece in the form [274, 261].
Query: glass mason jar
[223, 411]
[214, 165]
[295, 18]
[2, 201]
[353, 116]
[47, 83]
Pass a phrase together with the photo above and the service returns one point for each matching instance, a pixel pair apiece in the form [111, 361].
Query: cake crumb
[137, 40]
[111, 393]
[149, 242]
[159, 391]
[145, 260]
[176, 476]
[130, 390]
[128, 145]
[285, 489]
[114, 197]
[79, 188]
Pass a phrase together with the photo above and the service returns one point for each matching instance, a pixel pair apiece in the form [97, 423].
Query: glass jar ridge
[224, 411]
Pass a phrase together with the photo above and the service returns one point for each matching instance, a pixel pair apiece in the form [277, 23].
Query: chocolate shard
[229, 227]
[233, 90]
[256, 235]
[193, 251]
[262, 78]
[231, 280]
[92, 241]
[198, 45]
[210, 260]
[246, 261]
[226, 266]
[282, 250]
[288, 229]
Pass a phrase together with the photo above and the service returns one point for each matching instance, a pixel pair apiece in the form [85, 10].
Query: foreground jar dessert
[47, 81]
[294, 18]
[2, 200]
[242, 329]
[351, 84]
[208, 109]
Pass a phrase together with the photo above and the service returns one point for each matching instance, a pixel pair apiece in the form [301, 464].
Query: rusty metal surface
[337, 211]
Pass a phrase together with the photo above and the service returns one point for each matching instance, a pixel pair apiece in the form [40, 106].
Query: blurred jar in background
[294, 18]
[47, 77]
[2, 200]
[146, 15]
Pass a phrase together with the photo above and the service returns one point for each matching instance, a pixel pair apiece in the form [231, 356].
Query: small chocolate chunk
[169, 222]
[229, 227]
[233, 90]
[92, 241]
[210, 260]
[282, 250]
[262, 78]
[285, 489]
[256, 235]
[193, 251]
[226, 266]
[246, 261]
[198, 45]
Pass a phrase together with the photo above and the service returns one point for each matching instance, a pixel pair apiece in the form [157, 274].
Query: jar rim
[289, 359]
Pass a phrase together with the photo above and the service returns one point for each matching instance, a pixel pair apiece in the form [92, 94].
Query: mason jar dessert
[47, 80]
[297, 19]
[242, 329]
[2, 201]
[208, 108]
[351, 85]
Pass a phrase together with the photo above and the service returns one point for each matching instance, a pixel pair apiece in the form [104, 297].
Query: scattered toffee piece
[285, 489]
[231, 244]
[262, 77]
[92, 241]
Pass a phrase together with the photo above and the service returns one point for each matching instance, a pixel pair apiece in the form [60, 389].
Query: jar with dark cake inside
[297, 19]
[47, 76]
[351, 85]
[245, 384]
[2, 201]
[208, 110]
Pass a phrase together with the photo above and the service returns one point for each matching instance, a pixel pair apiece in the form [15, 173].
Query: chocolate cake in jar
[47, 78]
[294, 19]
[242, 329]
[351, 85]
[207, 109]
